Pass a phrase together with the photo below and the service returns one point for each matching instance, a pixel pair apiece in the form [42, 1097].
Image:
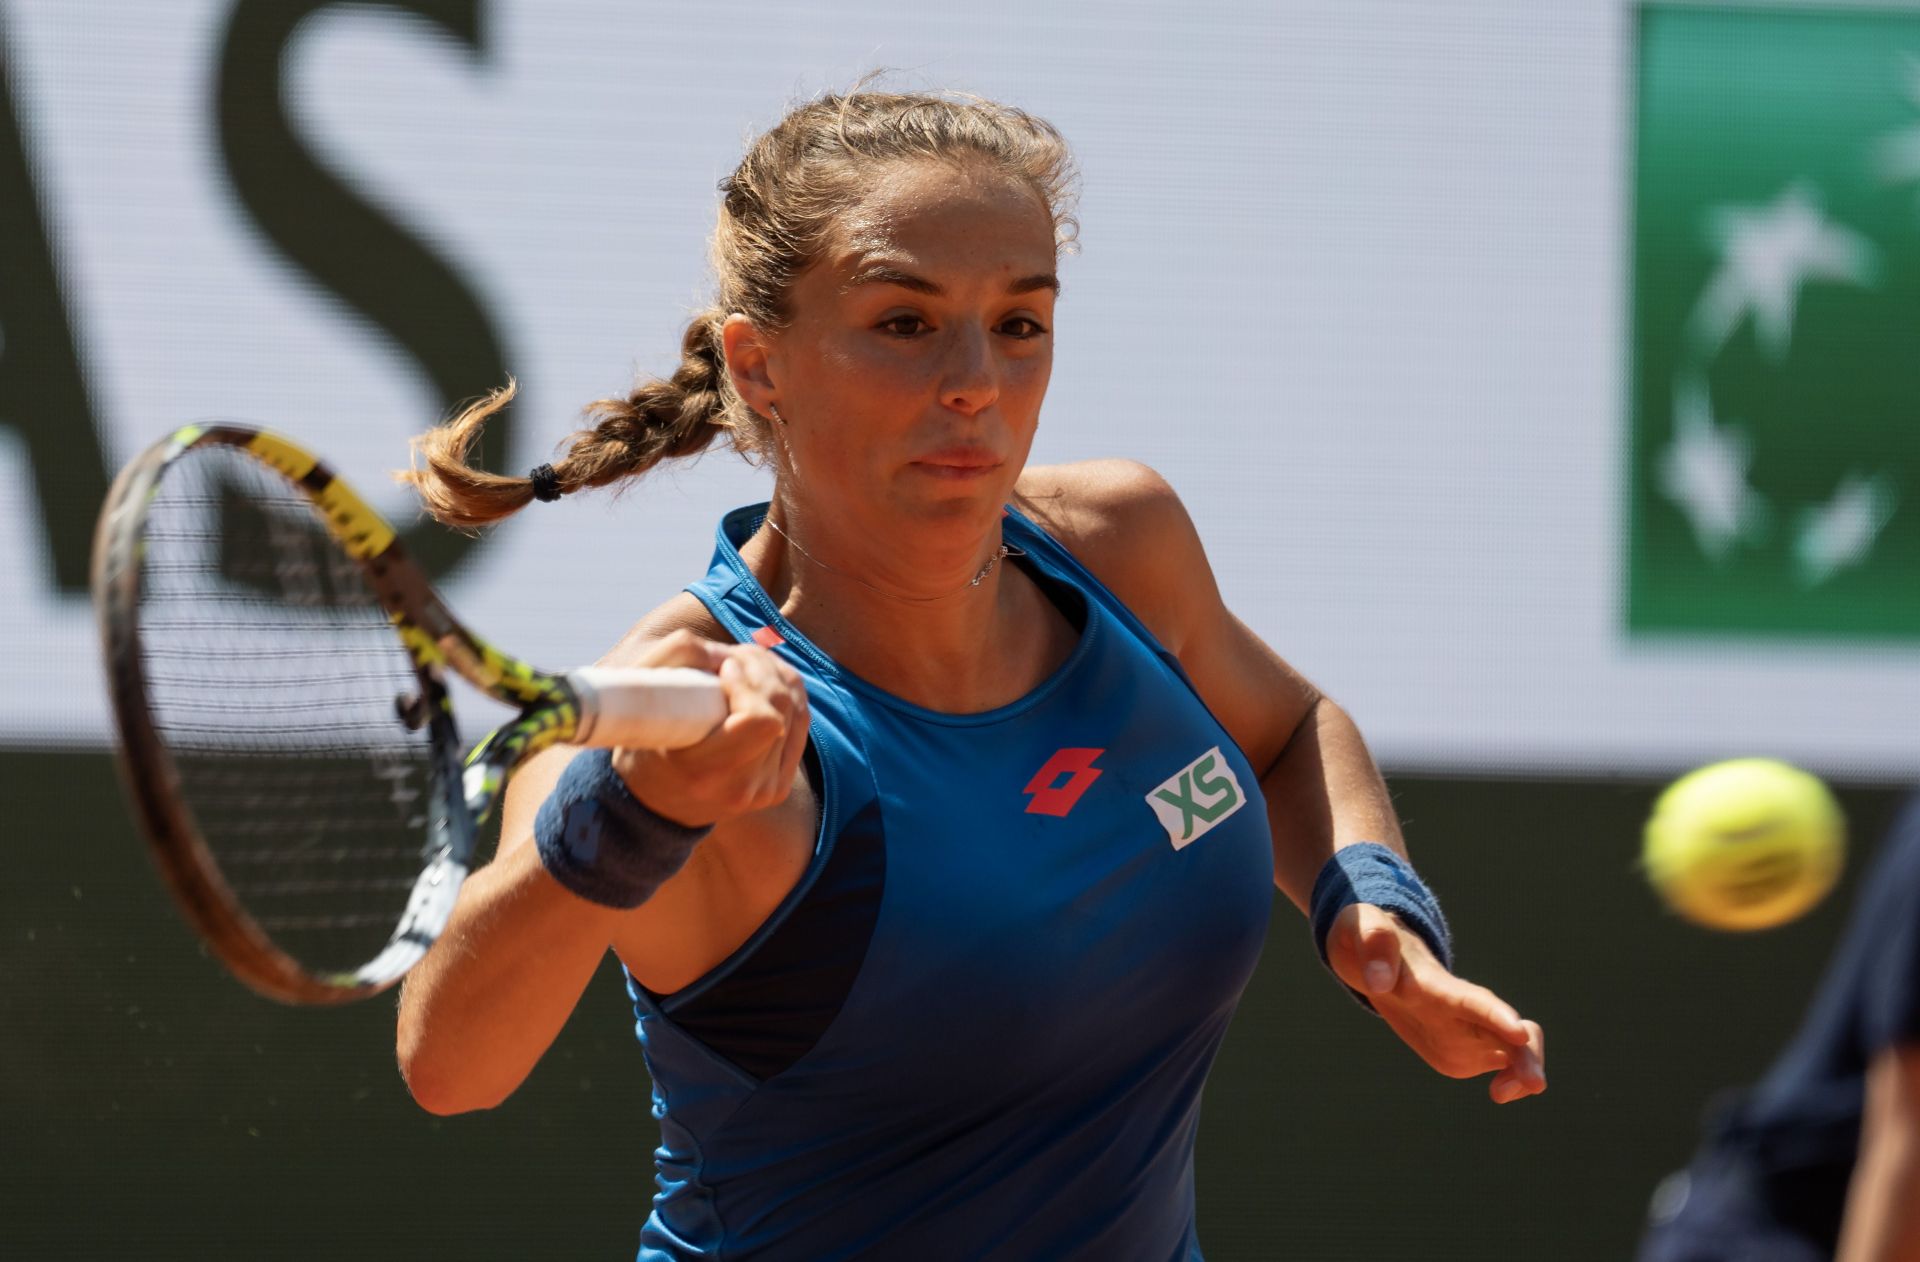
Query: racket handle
[646, 707]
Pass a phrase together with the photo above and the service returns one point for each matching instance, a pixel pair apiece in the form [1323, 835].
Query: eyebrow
[887, 274]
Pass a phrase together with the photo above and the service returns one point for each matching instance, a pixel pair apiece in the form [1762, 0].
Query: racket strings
[164, 653]
[276, 682]
[214, 679]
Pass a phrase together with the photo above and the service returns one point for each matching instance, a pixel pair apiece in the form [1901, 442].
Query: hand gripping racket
[277, 666]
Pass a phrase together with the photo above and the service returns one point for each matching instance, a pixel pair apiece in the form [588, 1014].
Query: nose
[971, 375]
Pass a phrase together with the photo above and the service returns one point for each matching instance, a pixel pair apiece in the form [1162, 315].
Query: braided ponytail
[660, 420]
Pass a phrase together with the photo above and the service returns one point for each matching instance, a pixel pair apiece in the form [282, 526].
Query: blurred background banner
[1776, 293]
[1540, 375]
[1528, 483]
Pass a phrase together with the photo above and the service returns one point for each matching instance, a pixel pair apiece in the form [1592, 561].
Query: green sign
[1775, 410]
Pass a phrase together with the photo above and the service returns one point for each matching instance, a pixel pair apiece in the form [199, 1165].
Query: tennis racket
[278, 667]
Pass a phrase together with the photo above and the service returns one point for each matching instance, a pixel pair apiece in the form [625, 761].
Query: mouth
[959, 463]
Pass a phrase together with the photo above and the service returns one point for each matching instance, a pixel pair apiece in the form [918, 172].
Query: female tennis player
[933, 941]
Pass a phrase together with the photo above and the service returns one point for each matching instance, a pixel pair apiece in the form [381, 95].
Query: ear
[750, 355]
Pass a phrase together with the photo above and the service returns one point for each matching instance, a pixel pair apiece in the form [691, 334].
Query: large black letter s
[318, 223]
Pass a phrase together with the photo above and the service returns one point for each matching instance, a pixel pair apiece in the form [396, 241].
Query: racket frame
[434, 640]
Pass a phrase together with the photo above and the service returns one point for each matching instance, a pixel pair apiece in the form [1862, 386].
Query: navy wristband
[604, 844]
[1368, 872]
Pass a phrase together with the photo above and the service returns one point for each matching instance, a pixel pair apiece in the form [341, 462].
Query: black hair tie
[546, 483]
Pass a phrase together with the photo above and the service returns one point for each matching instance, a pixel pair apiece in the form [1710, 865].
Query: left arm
[1126, 524]
[1321, 786]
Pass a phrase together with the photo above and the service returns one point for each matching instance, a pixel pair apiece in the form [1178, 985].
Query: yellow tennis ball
[1746, 844]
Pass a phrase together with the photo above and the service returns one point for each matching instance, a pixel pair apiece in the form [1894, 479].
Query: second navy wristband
[1368, 872]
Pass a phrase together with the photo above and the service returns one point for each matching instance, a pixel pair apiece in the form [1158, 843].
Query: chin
[960, 502]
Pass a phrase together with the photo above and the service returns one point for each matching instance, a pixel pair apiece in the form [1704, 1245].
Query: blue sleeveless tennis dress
[980, 1024]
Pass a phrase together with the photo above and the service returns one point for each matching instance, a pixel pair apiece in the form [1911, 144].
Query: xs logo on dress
[1197, 797]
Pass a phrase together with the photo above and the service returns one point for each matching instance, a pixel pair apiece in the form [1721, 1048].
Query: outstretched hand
[1460, 1029]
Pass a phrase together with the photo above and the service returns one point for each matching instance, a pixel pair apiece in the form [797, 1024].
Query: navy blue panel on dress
[771, 1009]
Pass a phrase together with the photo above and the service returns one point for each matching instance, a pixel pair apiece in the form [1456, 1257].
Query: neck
[979, 576]
[907, 614]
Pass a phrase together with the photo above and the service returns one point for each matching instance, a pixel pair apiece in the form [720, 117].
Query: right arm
[487, 1001]
[1882, 1223]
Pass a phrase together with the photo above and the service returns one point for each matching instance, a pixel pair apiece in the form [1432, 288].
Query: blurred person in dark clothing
[1821, 1160]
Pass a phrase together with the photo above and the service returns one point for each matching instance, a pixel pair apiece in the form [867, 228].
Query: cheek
[1025, 382]
[856, 401]
[866, 367]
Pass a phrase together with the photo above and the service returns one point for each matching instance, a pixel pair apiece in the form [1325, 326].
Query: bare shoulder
[1092, 504]
[1125, 522]
[683, 612]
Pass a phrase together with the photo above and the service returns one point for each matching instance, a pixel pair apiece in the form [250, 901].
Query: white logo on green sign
[1775, 464]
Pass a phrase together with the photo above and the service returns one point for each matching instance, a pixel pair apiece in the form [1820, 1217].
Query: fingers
[1527, 1075]
[746, 764]
[1383, 933]
[1460, 1029]
[1504, 1041]
[1491, 1011]
[757, 706]
[767, 718]
[748, 754]
[1464, 1030]
[684, 648]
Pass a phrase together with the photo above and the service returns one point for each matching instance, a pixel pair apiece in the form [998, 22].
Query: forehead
[943, 217]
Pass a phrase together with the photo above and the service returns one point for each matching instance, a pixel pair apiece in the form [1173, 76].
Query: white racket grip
[646, 707]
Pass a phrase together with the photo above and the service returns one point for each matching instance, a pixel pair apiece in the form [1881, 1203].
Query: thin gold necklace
[1004, 550]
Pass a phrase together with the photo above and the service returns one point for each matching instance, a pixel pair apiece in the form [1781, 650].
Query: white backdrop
[1352, 275]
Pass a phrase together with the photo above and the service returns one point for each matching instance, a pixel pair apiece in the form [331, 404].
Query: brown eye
[1022, 327]
[904, 325]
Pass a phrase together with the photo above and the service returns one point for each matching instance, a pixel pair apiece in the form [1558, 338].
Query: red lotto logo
[1057, 799]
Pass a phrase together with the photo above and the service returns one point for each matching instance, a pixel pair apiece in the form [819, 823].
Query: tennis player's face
[920, 345]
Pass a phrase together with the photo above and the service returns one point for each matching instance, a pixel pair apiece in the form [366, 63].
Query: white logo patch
[1197, 797]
